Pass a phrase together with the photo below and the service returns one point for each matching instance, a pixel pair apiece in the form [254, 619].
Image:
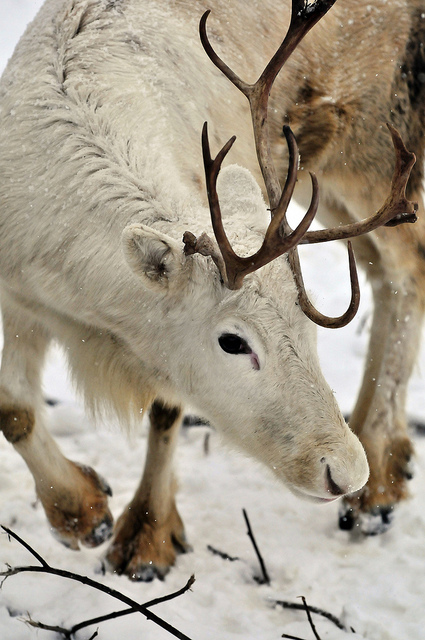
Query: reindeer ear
[240, 195]
[152, 255]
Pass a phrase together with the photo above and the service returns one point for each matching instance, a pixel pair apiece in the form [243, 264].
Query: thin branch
[306, 608]
[67, 633]
[222, 554]
[265, 579]
[320, 612]
[47, 627]
[46, 568]
[36, 555]
[125, 612]
[310, 619]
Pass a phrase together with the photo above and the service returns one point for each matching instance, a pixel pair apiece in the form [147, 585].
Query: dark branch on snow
[321, 612]
[133, 605]
[222, 554]
[265, 576]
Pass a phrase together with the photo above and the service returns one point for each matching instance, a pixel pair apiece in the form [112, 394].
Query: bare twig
[134, 606]
[313, 628]
[48, 627]
[125, 612]
[310, 619]
[37, 556]
[67, 633]
[320, 612]
[222, 554]
[265, 579]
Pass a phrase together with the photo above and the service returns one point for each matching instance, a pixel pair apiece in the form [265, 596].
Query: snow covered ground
[375, 585]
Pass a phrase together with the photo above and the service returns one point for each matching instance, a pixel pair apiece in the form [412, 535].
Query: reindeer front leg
[150, 532]
[74, 497]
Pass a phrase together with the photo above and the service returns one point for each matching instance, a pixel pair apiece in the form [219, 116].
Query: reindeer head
[237, 331]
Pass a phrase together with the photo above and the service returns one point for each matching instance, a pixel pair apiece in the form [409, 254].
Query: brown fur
[141, 542]
[78, 515]
[387, 482]
[16, 423]
[150, 532]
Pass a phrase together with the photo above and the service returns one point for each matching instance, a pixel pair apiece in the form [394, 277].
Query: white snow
[375, 585]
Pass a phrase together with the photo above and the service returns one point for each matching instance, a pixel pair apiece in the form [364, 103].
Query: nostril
[333, 488]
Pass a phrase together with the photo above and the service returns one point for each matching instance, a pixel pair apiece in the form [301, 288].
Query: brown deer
[100, 112]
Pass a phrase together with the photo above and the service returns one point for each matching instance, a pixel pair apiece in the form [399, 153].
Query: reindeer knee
[16, 423]
[163, 417]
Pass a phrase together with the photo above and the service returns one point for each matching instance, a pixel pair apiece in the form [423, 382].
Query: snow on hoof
[100, 533]
[370, 523]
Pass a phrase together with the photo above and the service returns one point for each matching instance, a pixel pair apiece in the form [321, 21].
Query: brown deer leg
[150, 532]
[74, 497]
[379, 417]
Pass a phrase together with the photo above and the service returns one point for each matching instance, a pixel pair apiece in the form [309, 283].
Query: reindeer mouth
[304, 495]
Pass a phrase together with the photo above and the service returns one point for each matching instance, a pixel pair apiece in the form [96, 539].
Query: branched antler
[232, 267]
[280, 238]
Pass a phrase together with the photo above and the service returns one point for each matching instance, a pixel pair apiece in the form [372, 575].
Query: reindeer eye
[231, 343]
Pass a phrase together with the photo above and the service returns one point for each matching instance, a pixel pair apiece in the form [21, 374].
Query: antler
[232, 267]
[280, 238]
[396, 209]
[303, 18]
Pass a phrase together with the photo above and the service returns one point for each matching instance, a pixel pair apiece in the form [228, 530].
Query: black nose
[333, 488]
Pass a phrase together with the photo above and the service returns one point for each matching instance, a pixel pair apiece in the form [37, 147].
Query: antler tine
[305, 304]
[212, 169]
[291, 179]
[292, 238]
[395, 210]
[244, 87]
[204, 244]
[303, 18]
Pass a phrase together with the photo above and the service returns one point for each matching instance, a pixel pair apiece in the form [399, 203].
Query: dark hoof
[377, 521]
[347, 519]
[371, 523]
[102, 532]
[148, 574]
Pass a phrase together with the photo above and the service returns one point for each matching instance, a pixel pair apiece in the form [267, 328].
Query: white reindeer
[101, 108]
